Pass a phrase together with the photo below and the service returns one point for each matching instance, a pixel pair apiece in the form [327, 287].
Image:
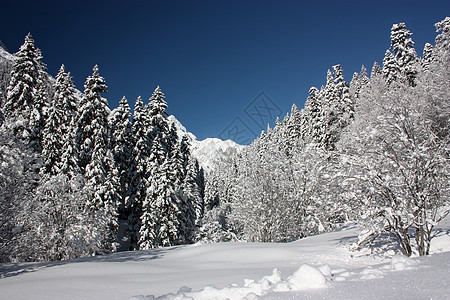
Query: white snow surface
[209, 152]
[181, 130]
[318, 267]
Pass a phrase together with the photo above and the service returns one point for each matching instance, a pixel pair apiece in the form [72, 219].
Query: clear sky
[213, 59]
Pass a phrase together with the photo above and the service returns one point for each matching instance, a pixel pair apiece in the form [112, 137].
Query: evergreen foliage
[121, 144]
[26, 93]
[59, 124]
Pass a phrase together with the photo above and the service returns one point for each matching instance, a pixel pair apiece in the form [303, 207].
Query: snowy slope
[209, 152]
[319, 267]
[212, 151]
[6, 63]
[181, 130]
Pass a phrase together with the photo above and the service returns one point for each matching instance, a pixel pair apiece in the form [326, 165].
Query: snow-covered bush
[57, 225]
[215, 227]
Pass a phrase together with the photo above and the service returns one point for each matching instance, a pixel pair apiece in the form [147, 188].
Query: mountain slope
[6, 63]
[209, 152]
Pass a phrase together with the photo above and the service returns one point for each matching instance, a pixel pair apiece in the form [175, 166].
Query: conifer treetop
[443, 38]
[95, 84]
[157, 103]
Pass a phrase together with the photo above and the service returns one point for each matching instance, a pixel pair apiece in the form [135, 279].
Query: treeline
[71, 169]
[375, 150]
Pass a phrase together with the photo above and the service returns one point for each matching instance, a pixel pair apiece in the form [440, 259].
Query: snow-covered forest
[78, 179]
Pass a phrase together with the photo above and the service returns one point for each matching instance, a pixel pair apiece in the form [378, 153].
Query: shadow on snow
[15, 269]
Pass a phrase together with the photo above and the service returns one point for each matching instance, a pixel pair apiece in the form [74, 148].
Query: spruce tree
[192, 189]
[329, 113]
[53, 137]
[69, 103]
[391, 69]
[294, 124]
[402, 47]
[42, 100]
[442, 40]
[313, 115]
[162, 220]
[427, 55]
[359, 81]
[345, 102]
[59, 124]
[400, 62]
[157, 190]
[92, 120]
[23, 88]
[96, 158]
[376, 70]
[121, 146]
[139, 174]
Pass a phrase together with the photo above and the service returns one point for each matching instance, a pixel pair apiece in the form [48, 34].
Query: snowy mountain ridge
[209, 152]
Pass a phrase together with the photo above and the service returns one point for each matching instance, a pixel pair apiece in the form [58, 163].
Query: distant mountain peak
[209, 152]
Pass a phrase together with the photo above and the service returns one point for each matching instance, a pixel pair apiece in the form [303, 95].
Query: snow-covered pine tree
[294, 123]
[345, 103]
[5, 77]
[337, 108]
[162, 218]
[96, 158]
[442, 40]
[190, 202]
[400, 61]
[22, 89]
[312, 129]
[92, 120]
[437, 77]
[141, 145]
[376, 70]
[121, 146]
[157, 107]
[157, 227]
[327, 113]
[193, 187]
[359, 81]
[53, 136]
[59, 124]
[159, 191]
[43, 99]
[391, 69]
[294, 130]
[427, 55]
[70, 106]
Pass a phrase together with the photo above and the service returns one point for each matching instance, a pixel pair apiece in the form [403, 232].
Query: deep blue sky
[212, 58]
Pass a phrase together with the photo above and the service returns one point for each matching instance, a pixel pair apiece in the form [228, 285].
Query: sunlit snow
[318, 267]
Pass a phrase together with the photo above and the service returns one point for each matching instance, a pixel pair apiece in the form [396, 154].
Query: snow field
[317, 267]
[306, 277]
